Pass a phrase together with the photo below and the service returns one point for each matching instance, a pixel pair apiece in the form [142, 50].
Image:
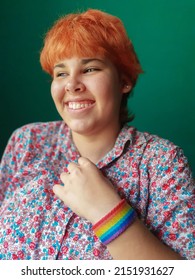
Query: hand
[86, 190]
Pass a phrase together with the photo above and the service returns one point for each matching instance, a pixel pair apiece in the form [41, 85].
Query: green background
[163, 34]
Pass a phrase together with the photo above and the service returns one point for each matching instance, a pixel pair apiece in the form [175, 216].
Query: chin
[81, 127]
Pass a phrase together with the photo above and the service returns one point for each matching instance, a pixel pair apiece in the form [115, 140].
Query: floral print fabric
[151, 173]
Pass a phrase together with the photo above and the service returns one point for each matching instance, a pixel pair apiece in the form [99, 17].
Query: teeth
[78, 105]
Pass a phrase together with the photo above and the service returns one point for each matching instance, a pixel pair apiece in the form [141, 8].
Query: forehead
[68, 51]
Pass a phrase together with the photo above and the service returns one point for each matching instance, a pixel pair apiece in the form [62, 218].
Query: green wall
[163, 33]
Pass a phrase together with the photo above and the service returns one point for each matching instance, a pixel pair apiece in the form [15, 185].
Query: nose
[74, 85]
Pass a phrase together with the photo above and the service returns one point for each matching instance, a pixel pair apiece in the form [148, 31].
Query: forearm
[138, 243]
[107, 213]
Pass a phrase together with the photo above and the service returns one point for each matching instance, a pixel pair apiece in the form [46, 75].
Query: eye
[61, 74]
[91, 69]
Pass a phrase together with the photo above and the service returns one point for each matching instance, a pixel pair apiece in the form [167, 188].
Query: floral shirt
[151, 173]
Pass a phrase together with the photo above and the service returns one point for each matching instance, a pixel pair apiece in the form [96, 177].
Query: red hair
[88, 34]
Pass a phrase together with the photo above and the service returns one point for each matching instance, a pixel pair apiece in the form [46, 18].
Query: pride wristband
[115, 222]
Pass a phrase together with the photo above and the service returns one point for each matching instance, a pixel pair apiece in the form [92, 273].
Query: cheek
[56, 91]
[109, 90]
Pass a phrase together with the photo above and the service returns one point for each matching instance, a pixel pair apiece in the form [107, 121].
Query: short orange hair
[88, 34]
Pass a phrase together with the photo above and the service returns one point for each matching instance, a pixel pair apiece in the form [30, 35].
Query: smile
[79, 105]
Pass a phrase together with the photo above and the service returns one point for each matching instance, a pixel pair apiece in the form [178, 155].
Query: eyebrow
[83, 62]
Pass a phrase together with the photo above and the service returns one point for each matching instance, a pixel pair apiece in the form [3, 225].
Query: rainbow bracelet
[115, 222]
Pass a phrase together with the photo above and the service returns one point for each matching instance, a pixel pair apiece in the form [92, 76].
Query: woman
[90, 186]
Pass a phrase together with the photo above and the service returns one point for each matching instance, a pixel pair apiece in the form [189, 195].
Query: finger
[72, 166]
[59, 191]
[63, 177]
[87, 164]
[84, 161]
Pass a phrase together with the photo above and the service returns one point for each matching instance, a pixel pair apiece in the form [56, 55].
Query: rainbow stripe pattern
[115, 222]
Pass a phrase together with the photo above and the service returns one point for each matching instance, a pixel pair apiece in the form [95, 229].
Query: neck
[94, 147]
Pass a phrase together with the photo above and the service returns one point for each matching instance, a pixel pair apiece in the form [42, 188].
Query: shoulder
[38, 129]
[164, 159]
[152, 143]
[152, 149]
[38, 134]
[159, 146]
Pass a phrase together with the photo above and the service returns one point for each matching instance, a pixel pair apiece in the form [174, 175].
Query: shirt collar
[125, 137]
[128, 136]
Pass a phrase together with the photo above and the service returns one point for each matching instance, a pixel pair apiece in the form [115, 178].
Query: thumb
[59, 191]
[82, 161]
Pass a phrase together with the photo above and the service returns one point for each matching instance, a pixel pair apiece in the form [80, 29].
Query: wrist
[114, 222]
[104, 208]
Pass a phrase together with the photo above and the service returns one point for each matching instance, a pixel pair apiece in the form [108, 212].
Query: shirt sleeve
[8, 166]
[171, 207]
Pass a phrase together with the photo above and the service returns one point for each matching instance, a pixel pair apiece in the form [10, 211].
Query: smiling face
[87, 93]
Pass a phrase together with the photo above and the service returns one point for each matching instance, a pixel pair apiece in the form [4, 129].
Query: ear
[126, 88]
[126, 85]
